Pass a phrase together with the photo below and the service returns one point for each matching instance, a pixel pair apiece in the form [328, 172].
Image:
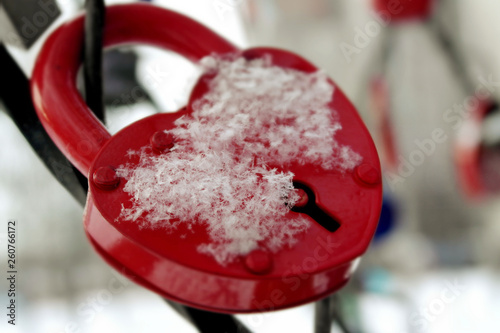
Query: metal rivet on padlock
[259, 262]
[367, 174]
[162, 142]
[106, 178]
[338, 212]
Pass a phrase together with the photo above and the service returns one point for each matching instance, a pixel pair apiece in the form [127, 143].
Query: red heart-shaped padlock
[170, 263]
[403, 10]
[476, 163]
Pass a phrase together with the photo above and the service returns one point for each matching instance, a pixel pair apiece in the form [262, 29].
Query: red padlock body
[169, 263]
[319, 264]
[394, 11]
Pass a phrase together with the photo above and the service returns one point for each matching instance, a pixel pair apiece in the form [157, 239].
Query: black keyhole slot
[315, 212]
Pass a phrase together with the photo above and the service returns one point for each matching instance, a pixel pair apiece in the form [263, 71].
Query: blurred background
[424, 76]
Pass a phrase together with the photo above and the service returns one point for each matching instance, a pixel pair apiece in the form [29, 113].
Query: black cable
[326, 311]
[208, 322]
[93, 53]
[92, 62]
[337, 314]
[16, 96]
[323, 316]
[456, 61]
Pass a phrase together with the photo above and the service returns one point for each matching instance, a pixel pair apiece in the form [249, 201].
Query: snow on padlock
[477, 152]
[403, 10]
[262, 193]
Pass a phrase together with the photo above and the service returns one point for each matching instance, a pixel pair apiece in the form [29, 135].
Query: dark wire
[337, 315]
[208, 322]
[15, 95]
[326, 311]
[93, 54]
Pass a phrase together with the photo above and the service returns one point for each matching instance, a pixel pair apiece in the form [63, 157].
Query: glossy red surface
[402, 10]
[67, 119]
[168, 262]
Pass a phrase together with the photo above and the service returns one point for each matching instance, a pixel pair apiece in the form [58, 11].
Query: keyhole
[316, 213]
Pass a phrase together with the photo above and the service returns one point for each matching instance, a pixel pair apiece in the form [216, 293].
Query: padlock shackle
[65, 116]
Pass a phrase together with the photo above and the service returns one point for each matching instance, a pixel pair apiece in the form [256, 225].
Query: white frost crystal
[224, 169]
